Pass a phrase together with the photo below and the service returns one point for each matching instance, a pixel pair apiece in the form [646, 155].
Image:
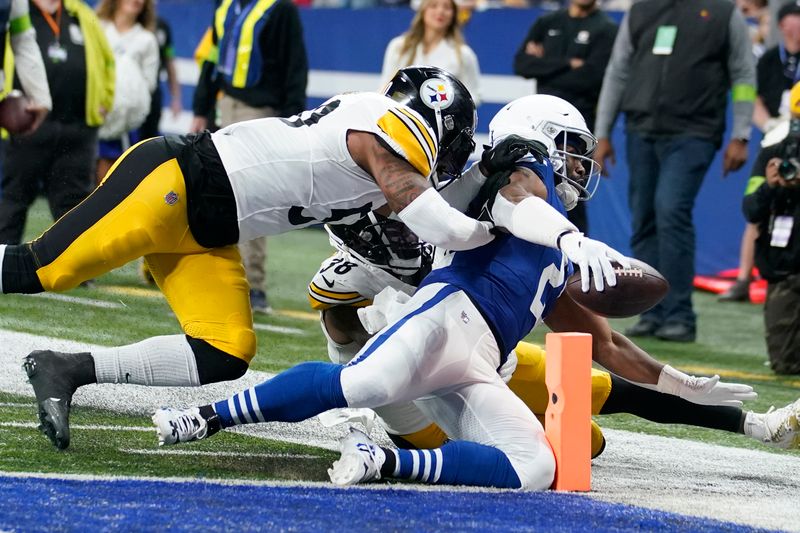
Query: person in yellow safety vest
[258, 62]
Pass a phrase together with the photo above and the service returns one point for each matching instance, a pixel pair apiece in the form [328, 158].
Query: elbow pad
[436, 222]
[533, 220]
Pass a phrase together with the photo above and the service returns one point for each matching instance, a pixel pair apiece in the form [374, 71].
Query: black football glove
[505, 155]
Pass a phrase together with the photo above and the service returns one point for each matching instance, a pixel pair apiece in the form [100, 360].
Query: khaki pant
[254, 253]
[782, 324]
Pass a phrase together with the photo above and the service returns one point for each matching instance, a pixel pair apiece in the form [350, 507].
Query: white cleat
[174, 426]
[781, 427]
[361, 460]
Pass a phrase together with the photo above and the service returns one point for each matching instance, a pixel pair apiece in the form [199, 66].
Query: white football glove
[593, 258]
[703, 391]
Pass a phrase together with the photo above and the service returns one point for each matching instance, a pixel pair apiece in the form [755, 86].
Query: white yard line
[278, 329]
[201, 453]
[80, 300]
[81, 427]
[750, 487]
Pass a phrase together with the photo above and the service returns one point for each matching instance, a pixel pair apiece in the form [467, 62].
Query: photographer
[772, 201]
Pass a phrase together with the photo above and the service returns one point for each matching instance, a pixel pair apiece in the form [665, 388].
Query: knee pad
[214, 365]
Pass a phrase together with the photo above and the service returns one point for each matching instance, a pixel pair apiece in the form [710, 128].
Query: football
[638, 288]
[14, 116]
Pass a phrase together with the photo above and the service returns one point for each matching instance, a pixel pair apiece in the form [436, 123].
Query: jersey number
[555, 277]
[309, 118]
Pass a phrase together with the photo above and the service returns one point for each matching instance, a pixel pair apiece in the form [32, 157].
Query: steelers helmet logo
[436, 93]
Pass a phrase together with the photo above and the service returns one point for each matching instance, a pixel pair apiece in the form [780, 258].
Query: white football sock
[166, 361]
[2, 255]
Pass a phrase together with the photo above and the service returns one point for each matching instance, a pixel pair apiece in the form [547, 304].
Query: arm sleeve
[295, 66]
[434, 221]
[741, 65]
[28, 57]
[462, 191]
[150, 62]
[614, 81]
[205, 92]
[533, 220]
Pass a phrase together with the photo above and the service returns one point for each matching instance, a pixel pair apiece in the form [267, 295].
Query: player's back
[295, 172]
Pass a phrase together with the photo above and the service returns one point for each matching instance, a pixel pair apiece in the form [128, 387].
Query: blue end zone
[44, 504]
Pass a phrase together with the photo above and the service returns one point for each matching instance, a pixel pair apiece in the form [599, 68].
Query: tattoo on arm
[399, 181]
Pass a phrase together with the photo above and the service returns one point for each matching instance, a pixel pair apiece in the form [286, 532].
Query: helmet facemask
[573, 164]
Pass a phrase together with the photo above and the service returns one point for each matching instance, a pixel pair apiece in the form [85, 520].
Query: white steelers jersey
[291, 173]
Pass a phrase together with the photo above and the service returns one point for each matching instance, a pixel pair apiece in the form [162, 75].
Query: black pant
[57, 160]
[782, 324]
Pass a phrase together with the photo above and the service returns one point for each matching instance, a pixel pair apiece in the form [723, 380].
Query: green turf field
[730, 342]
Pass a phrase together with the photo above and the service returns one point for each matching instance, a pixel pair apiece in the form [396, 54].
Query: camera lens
[787, 170]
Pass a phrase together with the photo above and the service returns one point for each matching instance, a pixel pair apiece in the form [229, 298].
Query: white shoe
[179, 425]
[361, 460]
[778, 427]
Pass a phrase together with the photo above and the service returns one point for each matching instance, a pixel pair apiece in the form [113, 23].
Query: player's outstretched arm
[619, 355]
[520, 207]
[418, 205]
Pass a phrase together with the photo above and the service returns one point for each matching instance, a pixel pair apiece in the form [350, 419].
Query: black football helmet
[387, 244]
[445, 103]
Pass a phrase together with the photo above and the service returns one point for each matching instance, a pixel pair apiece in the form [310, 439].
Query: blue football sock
[294, 395]
[456, 463]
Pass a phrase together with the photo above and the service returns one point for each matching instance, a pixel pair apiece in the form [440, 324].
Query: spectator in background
[269, 80]
[756, 15]
[776, 72]
[166, 67]
[567, 52]
[671, 69]
[772, 202]
[434, 38]
[16, 30]
[60, 155]
[128, 25]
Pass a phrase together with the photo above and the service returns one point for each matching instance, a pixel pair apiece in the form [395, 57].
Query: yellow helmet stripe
[412, 145]
[313, 287]
[245, 48]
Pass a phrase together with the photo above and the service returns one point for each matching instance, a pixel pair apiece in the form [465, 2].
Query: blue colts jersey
[513, 282]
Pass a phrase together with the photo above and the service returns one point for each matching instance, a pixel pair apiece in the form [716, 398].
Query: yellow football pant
[528, 383]
[139, 210]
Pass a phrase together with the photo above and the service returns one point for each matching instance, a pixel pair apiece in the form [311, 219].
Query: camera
[789, 167]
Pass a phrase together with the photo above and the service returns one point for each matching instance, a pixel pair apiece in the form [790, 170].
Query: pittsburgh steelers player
[184, 202]
[378, 252]
[444, 350]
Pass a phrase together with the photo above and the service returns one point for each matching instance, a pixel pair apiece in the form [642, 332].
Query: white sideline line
[10, 404]
[89, 427]
[79, 300]
[162, 451]
[278, 329]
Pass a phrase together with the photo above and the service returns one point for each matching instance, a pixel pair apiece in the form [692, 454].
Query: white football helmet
[562, 129]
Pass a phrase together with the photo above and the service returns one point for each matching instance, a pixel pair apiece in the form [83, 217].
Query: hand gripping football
[14, 116]
[638, 288]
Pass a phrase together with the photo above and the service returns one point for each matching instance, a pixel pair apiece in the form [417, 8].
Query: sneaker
[50, 375]
[738, 292]
[174, 426]
[259, 302]
[361, 460]
[643, 328]
[777, 427]
[676, 332]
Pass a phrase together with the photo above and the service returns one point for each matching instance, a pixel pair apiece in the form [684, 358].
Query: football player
[377, 252]
[444, 350]
[184, 202]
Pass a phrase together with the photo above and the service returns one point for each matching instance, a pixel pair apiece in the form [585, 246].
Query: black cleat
[51, 374]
